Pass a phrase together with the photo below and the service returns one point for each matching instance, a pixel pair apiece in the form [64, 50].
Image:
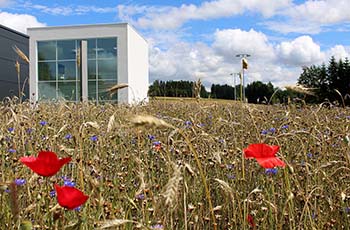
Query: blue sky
[199, 39]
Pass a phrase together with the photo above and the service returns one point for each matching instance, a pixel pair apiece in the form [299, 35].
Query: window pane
[92, 69]
[107, 47]
[67, 90]
[47, 90]
[92, 90]
[107, 69]
[103, 93]
[91, 43]
[47, 51]
[66, 70]
[66, 50]
[47, 71]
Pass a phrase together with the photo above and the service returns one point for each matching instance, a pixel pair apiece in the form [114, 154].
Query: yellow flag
[244, 63]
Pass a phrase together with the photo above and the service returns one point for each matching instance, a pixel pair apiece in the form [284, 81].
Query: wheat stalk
[172, 186]
[21, 54]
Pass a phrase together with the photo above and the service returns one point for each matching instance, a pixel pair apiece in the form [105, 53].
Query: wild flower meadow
[174, 165]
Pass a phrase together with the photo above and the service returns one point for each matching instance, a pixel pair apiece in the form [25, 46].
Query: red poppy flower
[46, 164]
[264, 154]
[250, 220]
[70, 197]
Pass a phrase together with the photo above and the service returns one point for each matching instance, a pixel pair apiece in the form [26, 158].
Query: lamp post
[242, 56]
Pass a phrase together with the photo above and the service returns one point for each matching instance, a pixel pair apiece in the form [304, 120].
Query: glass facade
[59, 69]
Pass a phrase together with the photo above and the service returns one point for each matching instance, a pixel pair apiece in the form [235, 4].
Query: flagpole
[242, 56]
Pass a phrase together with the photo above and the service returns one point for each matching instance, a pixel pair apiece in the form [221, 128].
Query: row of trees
[175, 89]
[255, 92]
[328, 81]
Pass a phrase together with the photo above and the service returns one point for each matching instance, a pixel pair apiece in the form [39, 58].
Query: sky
[191, 40]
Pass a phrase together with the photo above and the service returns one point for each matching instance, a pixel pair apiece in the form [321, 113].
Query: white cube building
[83, 62]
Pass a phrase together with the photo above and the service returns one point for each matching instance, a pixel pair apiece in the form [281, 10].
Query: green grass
[311, 192]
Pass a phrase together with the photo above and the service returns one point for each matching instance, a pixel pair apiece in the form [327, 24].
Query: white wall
[137, 67]
[83, 32]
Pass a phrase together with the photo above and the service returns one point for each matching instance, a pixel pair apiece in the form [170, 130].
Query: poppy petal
[46, 164]
[270, 162]
[261, 150]
[70, 197]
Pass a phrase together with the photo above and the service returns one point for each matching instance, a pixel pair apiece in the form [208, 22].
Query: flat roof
[86, 25]
[13, 31]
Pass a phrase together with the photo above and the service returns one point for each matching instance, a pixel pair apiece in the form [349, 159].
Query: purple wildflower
[68, 182]
[12, 150]
[285, 126]
[43, 123]
[229, 166]
[52, 193]
[272, 171]
[151, 137]
[94, 138]
[20, 182]
[231, 176]
[272, 130]
[11, 129]
[157, 226]
[264, 132]
[68, 136]
[140, 196]
[29, 130]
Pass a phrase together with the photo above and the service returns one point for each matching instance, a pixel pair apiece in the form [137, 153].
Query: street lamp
[242, 56]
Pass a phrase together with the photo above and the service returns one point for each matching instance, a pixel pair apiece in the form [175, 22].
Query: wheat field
[176, 165]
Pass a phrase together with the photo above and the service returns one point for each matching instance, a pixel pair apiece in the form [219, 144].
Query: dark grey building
[8, 75]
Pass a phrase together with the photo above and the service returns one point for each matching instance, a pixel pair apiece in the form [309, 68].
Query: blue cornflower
[52, 193]
[68, 136]
[285, 126]
[140, 196]
[12, 150]
[188, 123]
[347, 117]
[20, 182]
[151, 137]
[29, 130]
[201, 125]
[309, 155]
[221, 141]
[77, 208]
[231, 176]
[43, 123]
[229, 166]
[133, 141]
[264, 132]
[272, 171]
[347, 209]
[68, 182]
[157, 226]
[156, 143]
[94, 138]
[11, 129]
[272, 130]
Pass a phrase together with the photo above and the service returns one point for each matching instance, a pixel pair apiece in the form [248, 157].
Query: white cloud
[339, 52]
[19, 22]
[301, 51]
[322, 11]
[235, 41]
[69, 9]
[312, 17]
[174, 17]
